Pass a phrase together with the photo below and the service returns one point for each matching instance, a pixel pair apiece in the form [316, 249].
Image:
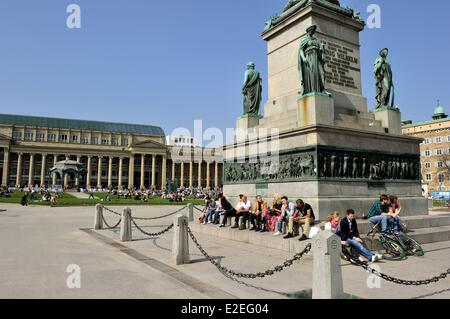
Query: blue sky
[169, 63]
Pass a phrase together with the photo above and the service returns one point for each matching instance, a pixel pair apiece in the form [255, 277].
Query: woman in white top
[333, 221]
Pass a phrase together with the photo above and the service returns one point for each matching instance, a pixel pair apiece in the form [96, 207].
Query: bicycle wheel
[414, 248]
[391, 250]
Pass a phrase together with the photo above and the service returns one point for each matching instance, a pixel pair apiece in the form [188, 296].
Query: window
[51, 137]
[94, 140]
[176, 140]
[28, 136]
[448, 138]
[440, 164]
[17, 135]
[428, 153]
[63, 138]
[427, 141]
[192, 141]
[84, 139]
[74, 139]
[438, 139]
[439, 152]
[428, 177]
[40, 137]
[124, 141]
[114, 141]
[428, 165]
[441, 178]
[105, 141]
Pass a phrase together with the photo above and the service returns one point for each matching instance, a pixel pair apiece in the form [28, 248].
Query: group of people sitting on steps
[282, 212]
[263, 218]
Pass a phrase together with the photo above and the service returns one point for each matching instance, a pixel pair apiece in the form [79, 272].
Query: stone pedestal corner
[390, 118]
[315, 109]
[247, 122]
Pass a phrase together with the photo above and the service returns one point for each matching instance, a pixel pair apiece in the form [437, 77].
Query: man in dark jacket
[229, 210]
[350, 237]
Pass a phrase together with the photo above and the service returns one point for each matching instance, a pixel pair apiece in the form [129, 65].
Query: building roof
[438, 117]
[37, 121]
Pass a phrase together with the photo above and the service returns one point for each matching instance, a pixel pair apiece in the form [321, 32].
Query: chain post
[125, 226]
[190, 208]
[180, 243]
[98, 217]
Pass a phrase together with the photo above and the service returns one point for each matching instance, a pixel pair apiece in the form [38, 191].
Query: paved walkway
[38, 243]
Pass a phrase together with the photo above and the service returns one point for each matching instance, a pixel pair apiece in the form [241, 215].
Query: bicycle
[387, 244]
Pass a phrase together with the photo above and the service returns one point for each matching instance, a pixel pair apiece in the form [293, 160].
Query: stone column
[153, 186]
[43, 169]
[110, 163]
[89, 168]
[66, 177]
[77, 179]
[164, 173]
[180, 242]
[208, 175]
[120, 173]
[31, 171]
[216, 175]
[182, 175]
[173, 170]
[5, 175]
[19, 170]
[131, 172]
[99, 172]
[55, 160]
[327, 274]
[142, 171]
[126, 232]
[191, 173]
[199, 186]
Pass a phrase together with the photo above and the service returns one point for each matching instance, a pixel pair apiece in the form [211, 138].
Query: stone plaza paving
[38, 243]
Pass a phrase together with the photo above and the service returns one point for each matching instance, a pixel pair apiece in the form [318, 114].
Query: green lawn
[67, 199]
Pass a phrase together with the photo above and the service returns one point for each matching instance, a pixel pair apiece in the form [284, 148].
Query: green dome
[439, 110]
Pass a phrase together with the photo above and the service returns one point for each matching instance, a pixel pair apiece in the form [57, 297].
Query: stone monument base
[390, 118]
[315, 109]
[246, 122]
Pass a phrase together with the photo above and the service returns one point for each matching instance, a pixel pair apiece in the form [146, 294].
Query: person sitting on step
[379, 213]
[243, 209]
[350, 238]
[259, 209]
[229, 210]
[287, 210]
[304, 215]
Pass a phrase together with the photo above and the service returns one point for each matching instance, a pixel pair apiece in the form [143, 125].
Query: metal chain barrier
[200, 210]
[160, 217]
[267, 273]
[111, 227]
[397, 280]
[111, 211]
[151, 234]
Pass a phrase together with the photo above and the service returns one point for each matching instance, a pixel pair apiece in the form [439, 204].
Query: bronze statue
[384, 81]
[252, 90]
[311, 63]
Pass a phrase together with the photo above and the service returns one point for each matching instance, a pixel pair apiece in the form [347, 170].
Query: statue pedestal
[315, 109]
[390, 118]
[247, 122]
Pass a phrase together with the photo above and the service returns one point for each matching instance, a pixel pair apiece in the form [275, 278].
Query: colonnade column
[5, 174]
[153, 185]
[66, 177]
[191, 173]
[55, 160]
[131, 172]
[208, 173]
[88, 176]
[99, 172]
[120, 173]
[216, 175]
[43, 169]
[31, 171]
[164, 173]
[110, 163]
[142, 171]
[182, 174]
[199, 186]
[19, 170]
[77, 179]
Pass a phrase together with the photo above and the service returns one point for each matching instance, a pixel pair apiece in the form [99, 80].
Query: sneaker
[379, 257]
[221, 225]
[210, 222]
[303, 238]
[374, 258]
[277, 233]
[235, 226]
[253, 228]
[288, 236]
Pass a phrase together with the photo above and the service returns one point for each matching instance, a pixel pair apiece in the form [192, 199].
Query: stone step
[359, 119]
[359, 126]
[412, 222]
[424, 229]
